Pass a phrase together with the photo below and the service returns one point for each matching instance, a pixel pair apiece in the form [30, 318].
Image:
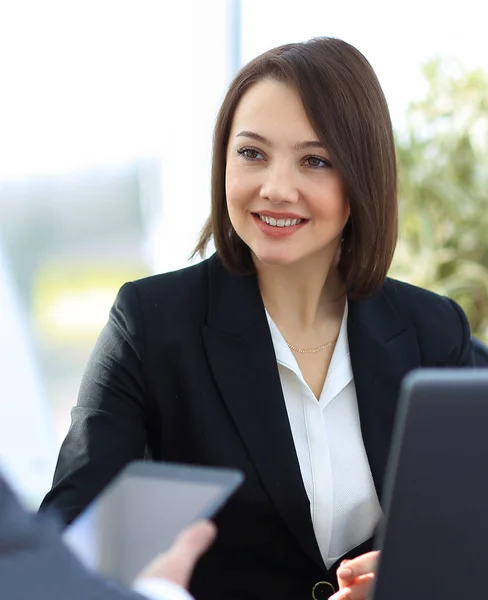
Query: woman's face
[285, 199]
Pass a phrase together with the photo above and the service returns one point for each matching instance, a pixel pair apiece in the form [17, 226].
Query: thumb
[193, 542]
[178, 562]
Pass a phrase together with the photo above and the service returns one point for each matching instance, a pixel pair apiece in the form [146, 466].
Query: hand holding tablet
[139, 514]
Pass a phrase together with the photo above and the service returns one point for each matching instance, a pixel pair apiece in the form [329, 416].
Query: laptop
[139, 514]
[434, 538]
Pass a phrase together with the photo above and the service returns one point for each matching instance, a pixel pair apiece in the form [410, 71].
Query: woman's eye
[316, 162]
[249, 153]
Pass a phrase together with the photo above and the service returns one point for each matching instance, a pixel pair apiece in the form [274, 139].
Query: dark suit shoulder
[176, 283]
[415, 298]
[174, 295]
[440, 323]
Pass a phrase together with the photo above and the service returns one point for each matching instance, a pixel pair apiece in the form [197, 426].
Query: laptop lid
[434, 535]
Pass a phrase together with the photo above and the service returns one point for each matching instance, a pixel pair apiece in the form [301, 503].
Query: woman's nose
[279, 185]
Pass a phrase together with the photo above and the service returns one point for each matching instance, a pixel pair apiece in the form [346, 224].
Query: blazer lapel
[384, 348]
[241, 356]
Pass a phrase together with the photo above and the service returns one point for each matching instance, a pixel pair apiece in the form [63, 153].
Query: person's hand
[178, 562]
[356, 577]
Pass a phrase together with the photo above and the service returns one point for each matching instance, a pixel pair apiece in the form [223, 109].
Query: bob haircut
[347, 109]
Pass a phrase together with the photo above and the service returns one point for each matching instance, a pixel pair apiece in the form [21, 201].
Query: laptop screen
[433, 538]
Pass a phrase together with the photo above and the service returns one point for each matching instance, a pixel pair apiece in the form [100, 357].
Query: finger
[362, 565]
[194, 541]
[359, 590]
[178, 562]
[343, 594]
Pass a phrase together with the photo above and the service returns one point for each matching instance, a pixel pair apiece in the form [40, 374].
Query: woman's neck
[303, 293]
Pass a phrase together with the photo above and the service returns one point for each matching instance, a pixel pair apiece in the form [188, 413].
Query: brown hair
[348, 111]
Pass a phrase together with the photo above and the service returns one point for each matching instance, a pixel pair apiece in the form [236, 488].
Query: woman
[282, 354]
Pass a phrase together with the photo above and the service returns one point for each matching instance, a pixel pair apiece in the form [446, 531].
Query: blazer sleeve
[109, 423]
[34, 562]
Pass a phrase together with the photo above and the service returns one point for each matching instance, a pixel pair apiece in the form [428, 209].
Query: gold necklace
[311, 350]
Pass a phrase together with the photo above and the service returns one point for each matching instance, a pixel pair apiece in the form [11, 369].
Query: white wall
[396, 37]
[27, 448]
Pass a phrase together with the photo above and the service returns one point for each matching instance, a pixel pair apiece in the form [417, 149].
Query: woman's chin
[274, 259]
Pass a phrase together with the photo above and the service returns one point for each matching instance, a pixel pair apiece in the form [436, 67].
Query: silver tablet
[141, 512]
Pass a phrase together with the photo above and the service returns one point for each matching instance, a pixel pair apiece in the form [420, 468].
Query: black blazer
[185, 367]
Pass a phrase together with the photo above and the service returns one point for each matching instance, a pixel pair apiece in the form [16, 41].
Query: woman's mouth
[278, 225]
[279, 222]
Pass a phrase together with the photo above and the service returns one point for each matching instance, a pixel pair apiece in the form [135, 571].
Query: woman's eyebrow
[254, 136]
[300, 146]
[305, 145]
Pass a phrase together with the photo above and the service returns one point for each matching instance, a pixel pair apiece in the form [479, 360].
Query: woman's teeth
[280, 222]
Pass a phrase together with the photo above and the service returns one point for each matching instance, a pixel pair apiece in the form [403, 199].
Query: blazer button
[322, 590]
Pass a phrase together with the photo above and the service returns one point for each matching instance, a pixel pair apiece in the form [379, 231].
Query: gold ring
[326, 583]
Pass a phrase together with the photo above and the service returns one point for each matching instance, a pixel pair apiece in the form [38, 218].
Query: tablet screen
[139, 515]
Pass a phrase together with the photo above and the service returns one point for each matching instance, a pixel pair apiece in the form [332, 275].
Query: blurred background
[106, 116]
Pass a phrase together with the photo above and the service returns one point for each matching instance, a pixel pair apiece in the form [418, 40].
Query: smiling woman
[281, 355]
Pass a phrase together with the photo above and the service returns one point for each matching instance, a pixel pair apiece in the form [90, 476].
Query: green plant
[443, 165]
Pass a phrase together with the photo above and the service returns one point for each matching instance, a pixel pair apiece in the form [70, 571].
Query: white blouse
[344, 505]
